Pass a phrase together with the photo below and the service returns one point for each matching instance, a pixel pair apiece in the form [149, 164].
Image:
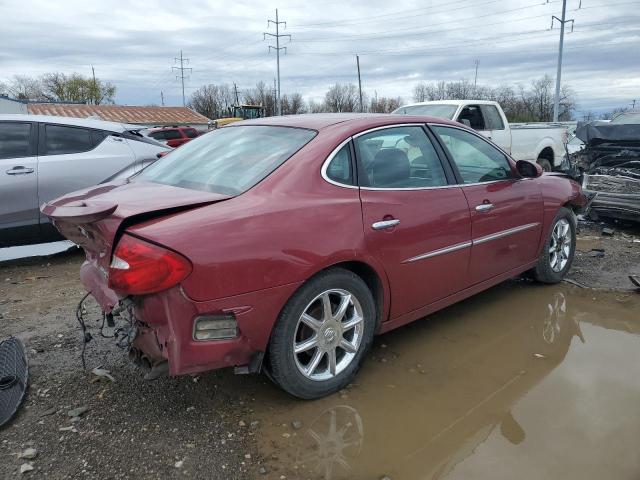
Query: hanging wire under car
[124, 334]
[86, 336]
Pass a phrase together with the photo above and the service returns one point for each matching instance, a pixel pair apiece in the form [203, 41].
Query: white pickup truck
[542, 143]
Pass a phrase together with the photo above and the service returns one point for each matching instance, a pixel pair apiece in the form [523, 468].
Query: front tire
[557, 253]
[322, 335]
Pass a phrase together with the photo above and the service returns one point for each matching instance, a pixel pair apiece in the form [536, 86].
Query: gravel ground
[197, 427]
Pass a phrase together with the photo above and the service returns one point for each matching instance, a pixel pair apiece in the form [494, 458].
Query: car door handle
[485, 207]
[381, 225]
[19, 171]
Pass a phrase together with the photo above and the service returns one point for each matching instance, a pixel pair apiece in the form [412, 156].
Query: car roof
[451, 102]
[321, 121]
[76, 122]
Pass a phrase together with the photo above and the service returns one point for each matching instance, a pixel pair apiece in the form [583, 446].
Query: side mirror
[466, 121]
[528, 169]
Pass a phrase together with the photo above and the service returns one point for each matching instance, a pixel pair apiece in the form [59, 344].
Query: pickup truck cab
[536, 142]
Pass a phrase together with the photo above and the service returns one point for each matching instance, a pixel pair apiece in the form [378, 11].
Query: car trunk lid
[94, 218]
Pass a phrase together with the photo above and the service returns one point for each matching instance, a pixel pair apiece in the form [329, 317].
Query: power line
[182, 68]
[277, 48]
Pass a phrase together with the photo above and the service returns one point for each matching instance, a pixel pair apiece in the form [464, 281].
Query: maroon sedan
[289, 242]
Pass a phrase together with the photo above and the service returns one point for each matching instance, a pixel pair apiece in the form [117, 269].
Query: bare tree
[212, 101]
[528, 104]
[24, 87]
[342, 98]
[262, 95]
[384, 104]
[293, 104]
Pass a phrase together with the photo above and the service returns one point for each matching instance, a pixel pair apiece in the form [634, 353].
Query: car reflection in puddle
[523, 380]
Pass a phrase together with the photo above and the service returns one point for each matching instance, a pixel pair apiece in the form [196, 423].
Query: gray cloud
[400, 44]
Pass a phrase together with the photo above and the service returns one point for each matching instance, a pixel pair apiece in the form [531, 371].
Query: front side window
[339, 168]
[471, 116]
[399, 157]
[61, 140]
[229, 160]
[492, 117]
[14, 139]
[477, 161]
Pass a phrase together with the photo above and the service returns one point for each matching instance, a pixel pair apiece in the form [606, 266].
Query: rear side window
[61, 140]
[340, 168]
[14, 139]
[229, 160]
[190, 133]
[492, 117]
[477, 160]
[399, 157]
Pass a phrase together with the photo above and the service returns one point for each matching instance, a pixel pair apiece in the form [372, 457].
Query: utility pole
[475, 79]
[277, 48]
[161, 98]
[182, 69]
[563, 20]
[235, 89]
[95, 87]
[359, 83]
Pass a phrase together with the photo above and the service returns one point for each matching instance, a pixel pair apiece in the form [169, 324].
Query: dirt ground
[210, 426]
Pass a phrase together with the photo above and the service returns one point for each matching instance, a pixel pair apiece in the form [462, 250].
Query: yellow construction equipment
[241, 112]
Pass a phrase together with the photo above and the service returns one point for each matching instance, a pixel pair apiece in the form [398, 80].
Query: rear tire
[557, 253]
[545, 164]
[322, 335]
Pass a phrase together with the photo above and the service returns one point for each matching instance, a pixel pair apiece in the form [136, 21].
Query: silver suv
[44, 157]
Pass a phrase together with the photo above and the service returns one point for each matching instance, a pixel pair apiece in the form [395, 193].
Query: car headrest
[390, 168]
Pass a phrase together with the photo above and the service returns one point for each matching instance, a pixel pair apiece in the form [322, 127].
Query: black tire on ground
[545, 164]
[543, 271]
[282, 366]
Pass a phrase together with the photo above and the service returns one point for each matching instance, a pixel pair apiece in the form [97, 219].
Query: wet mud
[523, 381]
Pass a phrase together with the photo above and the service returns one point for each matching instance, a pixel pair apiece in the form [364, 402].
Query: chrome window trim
[471, 243]
[325, 165]
[504, 233]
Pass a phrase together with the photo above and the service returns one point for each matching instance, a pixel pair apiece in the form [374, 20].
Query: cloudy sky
[400, 43]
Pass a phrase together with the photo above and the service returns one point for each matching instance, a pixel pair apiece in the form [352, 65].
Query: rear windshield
[230, 160]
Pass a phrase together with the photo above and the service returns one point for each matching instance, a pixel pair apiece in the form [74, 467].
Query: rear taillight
[139, 267]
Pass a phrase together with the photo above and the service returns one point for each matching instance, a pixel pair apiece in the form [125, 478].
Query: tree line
[532, 103]
[215, 101]
[60, 87]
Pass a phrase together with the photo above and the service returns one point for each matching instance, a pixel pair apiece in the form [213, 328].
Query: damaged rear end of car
[133, 279]
[608, 168]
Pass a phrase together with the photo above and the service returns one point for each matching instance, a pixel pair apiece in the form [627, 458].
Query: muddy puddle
[523, 381]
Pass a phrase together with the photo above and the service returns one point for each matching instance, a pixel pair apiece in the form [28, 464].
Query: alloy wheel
[560, 246]
[328, 334]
